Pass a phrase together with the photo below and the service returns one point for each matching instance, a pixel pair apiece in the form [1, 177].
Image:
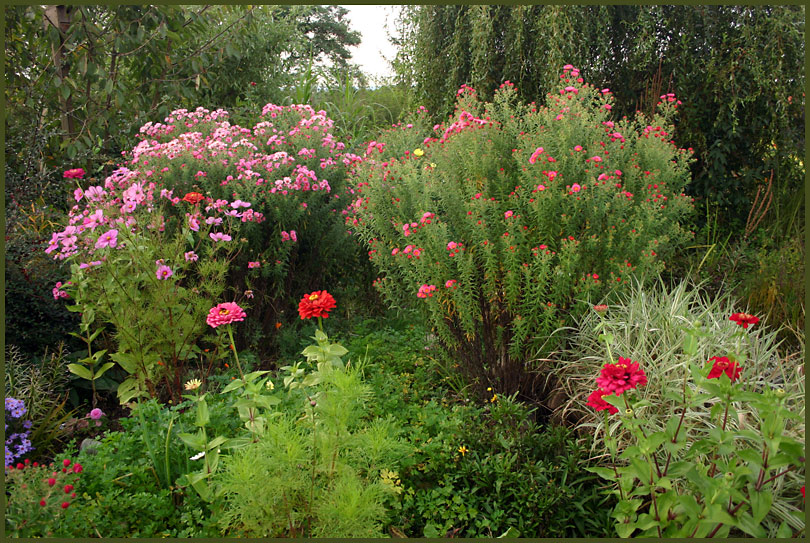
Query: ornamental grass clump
[713, 442]
[503, 223]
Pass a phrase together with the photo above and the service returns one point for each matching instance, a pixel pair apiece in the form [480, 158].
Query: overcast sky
[370, 22]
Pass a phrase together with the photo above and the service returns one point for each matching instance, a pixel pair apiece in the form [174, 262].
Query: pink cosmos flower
[225, 313]
[191, 256]
[107, 239]
[78, 194]
[164, 272]
[219, 236]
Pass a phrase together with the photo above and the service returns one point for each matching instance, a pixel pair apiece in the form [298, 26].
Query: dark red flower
[595, 400]
[193, 198]
[723, 365]
[744, 319]
[316, 304]
[65, 505]
[620, 377]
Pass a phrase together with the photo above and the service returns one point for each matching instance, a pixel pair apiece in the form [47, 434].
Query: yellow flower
[418, 152]
[193, 384]
[494, 398]
[432, 164]
[463, 450]
[270, 385]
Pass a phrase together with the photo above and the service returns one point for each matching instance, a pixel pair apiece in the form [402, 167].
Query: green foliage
[742, 89]
[316, 469]
[514, 220]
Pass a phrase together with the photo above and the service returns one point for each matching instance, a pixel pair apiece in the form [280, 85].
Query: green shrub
[502, 225]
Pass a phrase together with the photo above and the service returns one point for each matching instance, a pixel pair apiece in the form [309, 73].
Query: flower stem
[235, 354]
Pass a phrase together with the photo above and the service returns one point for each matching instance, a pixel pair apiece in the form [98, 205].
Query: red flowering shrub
[534, 211]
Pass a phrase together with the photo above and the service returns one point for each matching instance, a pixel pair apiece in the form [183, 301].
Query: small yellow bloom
[432, 164]
[193, 384]
[418, 152]
[463, 450]
[270, 385]
[494, 398]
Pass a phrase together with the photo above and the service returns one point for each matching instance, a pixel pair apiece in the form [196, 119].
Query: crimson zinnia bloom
[75, 173]
[617, 378]
[316, 304]
[193, 197]
[225, 314]
[723, 365]
[744, 319]
[595, 400]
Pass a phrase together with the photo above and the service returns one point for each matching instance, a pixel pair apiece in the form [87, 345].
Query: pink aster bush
[535, 210]
[281, 177]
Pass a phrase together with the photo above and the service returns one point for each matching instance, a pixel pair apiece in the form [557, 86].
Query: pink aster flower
[577, 148]
[535, 155]
[620, 377]
[254, 264]
[450, 283]
[164, 272]
[425, 291]
[576, 187]
[508, 214]
[107, 239]
[191, 256]
[225, 313]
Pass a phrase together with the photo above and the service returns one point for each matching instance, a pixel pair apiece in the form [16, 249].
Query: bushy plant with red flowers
[524, 213]
[36, 495]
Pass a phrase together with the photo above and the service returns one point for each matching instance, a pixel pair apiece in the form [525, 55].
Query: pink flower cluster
[289, 236]
[425, 291]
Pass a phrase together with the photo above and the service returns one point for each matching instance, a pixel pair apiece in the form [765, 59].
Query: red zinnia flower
[744, 319]
[595, 400]
[75, 173]
[316, 304]
[617, 378]
[193, 197]
[225, 314]
[723, 365]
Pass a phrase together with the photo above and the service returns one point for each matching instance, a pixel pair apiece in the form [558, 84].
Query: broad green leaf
[103, 369]
[202, 414]
[760, 505]
[195, 441]
[81, 371]
[233, 385]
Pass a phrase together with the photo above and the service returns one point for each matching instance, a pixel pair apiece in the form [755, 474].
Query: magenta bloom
[96, 414]
[618, 378]
[254, 264]
[75, 173]
[107, 239]
[225, 314]
[191, 256]
[164, 272]
[595, 400]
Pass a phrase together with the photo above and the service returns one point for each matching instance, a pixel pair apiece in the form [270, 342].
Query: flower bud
[51, 481]
[42, 502]
[628, 412]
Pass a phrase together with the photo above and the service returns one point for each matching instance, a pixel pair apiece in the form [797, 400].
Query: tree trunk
[59, 17]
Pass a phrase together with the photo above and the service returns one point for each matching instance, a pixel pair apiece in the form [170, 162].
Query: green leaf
[604, 473]
[81, 371]
[252, 375]
[690, 505]
[784, 531]
[233, 385]
[103, 369]
[216, 442]
[195, 441]
[65, 92]
[202, 414]
[200, 484]
[748, 525]
[511, 532]
[760, 505]
[127, 361]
